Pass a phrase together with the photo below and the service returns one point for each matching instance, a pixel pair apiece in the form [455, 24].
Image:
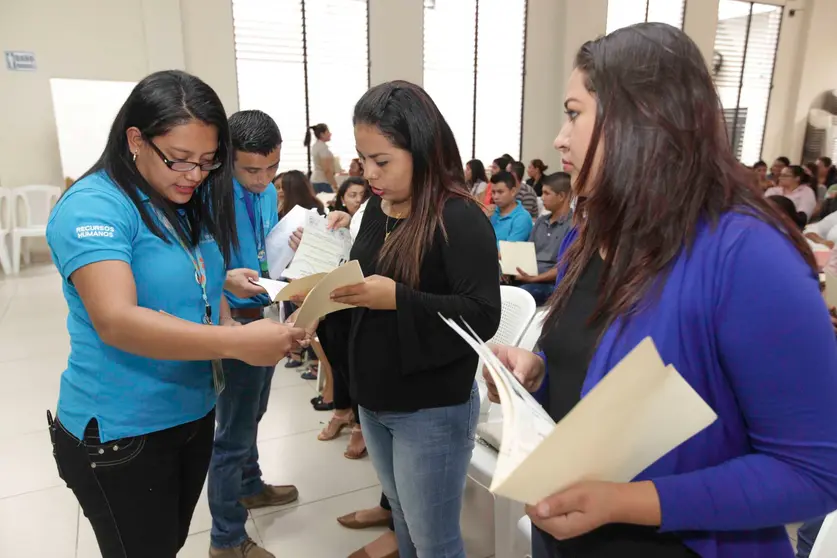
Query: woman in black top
[536, 172]
[425, 248]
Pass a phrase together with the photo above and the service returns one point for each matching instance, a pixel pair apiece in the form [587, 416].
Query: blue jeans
[422, 460]
[322, 188]
[234, 470]
[806, 536]
[539, 291]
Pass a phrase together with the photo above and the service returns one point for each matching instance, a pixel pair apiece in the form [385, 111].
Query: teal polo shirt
[128, 395]
[514, 227]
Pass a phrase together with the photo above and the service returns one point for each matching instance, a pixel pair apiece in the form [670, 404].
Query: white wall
[124, 41]
[99, 40]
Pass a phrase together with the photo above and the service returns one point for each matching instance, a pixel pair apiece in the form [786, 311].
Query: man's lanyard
[196, 259]
[254, 212]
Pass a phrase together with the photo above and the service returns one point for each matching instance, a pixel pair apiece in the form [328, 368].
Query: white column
[209, 46]
[163, 30]
[396, 40]
[556, 30]
[701, 24]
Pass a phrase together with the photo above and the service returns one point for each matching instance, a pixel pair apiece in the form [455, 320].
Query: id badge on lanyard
[196, 259]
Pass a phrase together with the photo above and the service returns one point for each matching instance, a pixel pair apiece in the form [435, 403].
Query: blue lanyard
[196, 259]
[258, 231]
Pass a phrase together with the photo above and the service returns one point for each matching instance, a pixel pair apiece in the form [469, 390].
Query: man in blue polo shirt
[235, 483]
[511, 222]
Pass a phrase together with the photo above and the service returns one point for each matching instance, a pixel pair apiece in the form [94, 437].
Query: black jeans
[138, 493]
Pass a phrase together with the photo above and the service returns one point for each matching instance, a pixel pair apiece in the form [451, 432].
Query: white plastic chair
[34, 203]
[523, 542]
[826, 544]
[530, 337]
[518, 309]
[6, 224]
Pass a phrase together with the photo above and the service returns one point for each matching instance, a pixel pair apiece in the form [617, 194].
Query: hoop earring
[134, 158]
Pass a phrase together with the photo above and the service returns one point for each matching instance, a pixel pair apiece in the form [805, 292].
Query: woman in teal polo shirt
[141, 242]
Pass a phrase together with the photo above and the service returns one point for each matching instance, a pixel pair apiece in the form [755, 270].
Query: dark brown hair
[298, 191]
[318, 129]
[538, 164]
[666, 167]
[406, 115]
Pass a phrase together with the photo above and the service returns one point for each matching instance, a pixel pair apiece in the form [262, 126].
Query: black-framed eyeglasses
[183, 166]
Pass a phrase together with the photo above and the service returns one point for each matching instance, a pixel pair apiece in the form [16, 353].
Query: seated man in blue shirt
[235, 480]
[511, 222]
[548, 235]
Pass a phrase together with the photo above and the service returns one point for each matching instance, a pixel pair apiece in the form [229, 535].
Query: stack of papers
[638, 413]
[318, 287]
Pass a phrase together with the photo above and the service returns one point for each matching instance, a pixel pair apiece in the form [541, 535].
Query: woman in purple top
[675, 241]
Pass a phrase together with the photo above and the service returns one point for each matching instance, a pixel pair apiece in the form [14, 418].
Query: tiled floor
[39, 516]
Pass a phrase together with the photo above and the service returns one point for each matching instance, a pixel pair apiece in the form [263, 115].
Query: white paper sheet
[321, 250]
[639, 412]
[279, 253]
[272, 287]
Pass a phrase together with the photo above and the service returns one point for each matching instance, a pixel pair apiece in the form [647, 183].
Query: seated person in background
[355, 168]
[823, 232]
[500, 164]
[760, 168]
[525, 194]
[795, 184]
[548, 234]
[786, 206]
[776, 169]
[511, 222]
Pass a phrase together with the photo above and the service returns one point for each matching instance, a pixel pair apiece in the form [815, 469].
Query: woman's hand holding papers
[592, 504]
[338, 220]
[335, 220]
[376, 292]
[310, 331]
[527, 367]
[264, 342]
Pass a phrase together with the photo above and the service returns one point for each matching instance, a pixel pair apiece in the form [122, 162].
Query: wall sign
[21, 61]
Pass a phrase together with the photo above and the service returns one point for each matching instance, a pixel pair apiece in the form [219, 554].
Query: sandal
[357, 434]
[334, 427]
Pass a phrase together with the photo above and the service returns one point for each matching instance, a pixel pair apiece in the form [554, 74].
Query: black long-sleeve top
[409, 359]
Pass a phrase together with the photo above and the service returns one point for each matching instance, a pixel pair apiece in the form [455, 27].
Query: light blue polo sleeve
[90, 225]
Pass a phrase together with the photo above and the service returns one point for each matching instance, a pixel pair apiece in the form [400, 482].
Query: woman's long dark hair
[477, 172]
[666, 167]
[158, 103]
[408, 117]
[318, 129]
[339, 204]
[298, 191]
